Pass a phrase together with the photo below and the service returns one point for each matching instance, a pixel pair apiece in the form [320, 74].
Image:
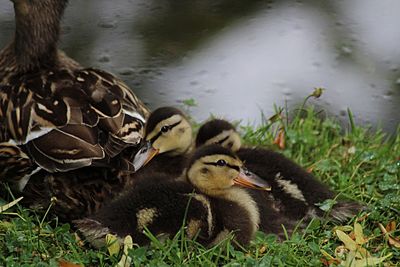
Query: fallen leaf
[280, 139]
[391, 226]
[358, 233]
[113, 246]
[395, 242]
[369, 261]
[351, 245]
[63, 263]
[125, 259]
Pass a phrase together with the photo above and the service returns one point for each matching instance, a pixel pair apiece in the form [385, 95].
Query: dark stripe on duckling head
[208, 150]
[222, 163]
[212, 129]
[165, 128]
[161, 114]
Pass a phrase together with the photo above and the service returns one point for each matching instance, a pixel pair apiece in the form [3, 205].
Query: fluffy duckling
[211, 204]
[55, 115]
[295, 191]
[168, 138]
[167, 142]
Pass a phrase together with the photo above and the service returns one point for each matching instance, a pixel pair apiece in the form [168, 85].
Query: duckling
[55, 115]
[211, 204]
[167, 144]
[295, 192]
[168, 138]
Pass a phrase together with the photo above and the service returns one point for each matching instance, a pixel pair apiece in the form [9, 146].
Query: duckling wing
[66, 119]
[161, 208]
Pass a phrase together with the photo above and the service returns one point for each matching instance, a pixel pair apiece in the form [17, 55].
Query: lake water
[237, 58]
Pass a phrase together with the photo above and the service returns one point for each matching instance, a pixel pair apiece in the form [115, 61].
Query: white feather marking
[135, 114]
[24, 180]
[290, 188]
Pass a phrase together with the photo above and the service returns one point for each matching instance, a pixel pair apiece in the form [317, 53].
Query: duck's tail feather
[344, 210]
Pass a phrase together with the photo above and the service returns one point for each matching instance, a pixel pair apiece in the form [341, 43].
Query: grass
[358, 163]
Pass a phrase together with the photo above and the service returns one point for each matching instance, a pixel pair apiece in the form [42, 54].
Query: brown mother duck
[295, 192]
[211, 203]
[55, 115]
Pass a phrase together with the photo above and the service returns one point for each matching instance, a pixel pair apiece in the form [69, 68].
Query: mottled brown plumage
[59, 116]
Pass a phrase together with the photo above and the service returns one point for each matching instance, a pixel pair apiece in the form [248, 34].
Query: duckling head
[220, 132]
[167, 131]
[214, 170]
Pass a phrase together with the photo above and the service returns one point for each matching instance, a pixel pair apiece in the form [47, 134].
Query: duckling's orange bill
[251, 180]
[144, 155]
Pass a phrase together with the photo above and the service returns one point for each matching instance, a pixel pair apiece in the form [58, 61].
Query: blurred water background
[237, 58]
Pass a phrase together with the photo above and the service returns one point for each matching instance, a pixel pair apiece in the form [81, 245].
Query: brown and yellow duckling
[167, 142]
[55, 115]
[295, 192]
[211, 204]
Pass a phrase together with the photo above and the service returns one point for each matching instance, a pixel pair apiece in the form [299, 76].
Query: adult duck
[54, 114]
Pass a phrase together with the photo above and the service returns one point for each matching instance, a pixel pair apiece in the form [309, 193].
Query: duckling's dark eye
[164, 129]
[221, 162]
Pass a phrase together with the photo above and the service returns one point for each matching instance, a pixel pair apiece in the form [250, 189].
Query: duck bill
[144, 155]
[251, 180]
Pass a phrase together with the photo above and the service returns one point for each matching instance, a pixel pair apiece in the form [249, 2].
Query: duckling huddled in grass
[210, 203]
[167, 143]
[295, 192]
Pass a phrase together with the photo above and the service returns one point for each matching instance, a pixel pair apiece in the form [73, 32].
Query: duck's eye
[164, 129]
[221, 162]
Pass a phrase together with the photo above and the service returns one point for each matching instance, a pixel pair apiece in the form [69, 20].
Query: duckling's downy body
[210, 204]
[295, 191]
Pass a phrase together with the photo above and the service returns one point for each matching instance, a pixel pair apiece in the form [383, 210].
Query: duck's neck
[37, 32]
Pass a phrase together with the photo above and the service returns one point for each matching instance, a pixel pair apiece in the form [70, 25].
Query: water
[238, 58]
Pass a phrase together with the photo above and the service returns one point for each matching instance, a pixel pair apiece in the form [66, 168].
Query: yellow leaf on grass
[9, 205]
[370, 261]
[351, 245]
[348, 242]
[125, 259]
[359, 235]
[112, 244]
